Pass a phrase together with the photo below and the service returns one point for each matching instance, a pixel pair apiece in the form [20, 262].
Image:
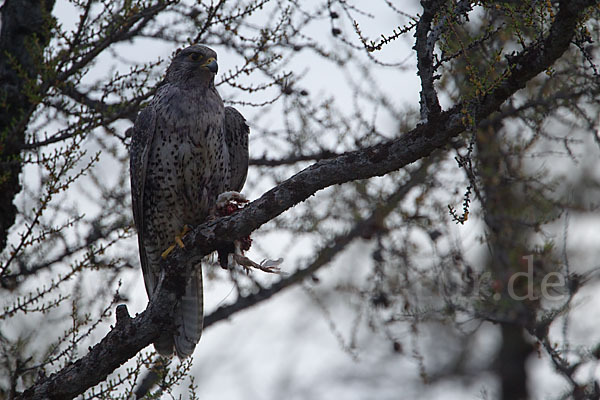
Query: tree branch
[131, 335]
[292, 159]
[328, 252]
[424, 46]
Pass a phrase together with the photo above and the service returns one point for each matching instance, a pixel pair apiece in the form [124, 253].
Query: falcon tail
[189, 316]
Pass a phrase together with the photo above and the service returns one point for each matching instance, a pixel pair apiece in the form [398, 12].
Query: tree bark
[24, 34]
[504, 208]
[512, 363]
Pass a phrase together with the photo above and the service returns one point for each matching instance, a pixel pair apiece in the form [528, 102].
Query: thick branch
[123, 342]
[293, 159]
[426, 37]
[424, 46]
[129, 337]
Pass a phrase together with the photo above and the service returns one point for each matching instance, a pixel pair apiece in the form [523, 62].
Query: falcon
[186, 149]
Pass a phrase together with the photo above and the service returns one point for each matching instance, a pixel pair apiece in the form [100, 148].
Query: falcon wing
[236, 137]
[141, 142]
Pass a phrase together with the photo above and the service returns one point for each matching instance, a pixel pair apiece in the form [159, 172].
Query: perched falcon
[186, 149]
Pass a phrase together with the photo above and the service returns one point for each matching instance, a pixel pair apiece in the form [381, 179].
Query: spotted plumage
[186, 149]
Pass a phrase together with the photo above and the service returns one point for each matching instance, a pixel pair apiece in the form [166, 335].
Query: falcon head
[194, 65]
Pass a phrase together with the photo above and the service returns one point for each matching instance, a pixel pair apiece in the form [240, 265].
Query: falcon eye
[194, 56]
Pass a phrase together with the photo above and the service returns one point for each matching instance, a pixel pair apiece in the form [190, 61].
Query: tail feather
[189, 316]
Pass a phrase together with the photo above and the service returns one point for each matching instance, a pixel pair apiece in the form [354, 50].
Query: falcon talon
[168, 251]
[178, 238]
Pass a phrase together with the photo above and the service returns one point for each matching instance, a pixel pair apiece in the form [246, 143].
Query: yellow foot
[178, 238]
[178, 241]
[167, 251]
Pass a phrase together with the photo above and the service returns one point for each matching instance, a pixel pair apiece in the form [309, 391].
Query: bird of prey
[186, 149]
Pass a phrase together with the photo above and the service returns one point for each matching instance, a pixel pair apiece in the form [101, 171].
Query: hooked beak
[212, 65]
